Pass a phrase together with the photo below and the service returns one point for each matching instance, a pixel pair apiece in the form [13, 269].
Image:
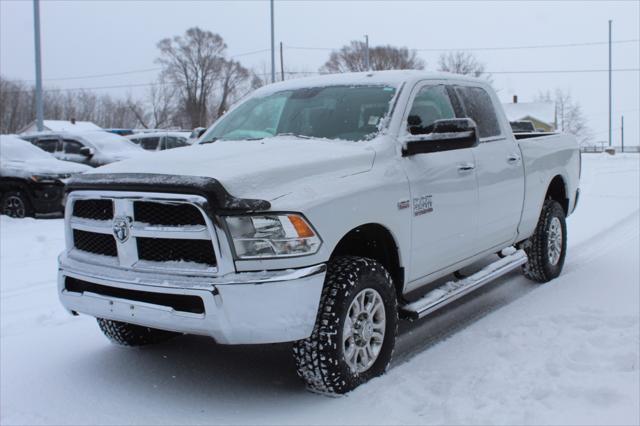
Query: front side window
[71, 146]
[479, 107]
[431, 104]
[332, 112]
[174, 142]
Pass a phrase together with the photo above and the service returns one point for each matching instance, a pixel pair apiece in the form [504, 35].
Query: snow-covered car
[161, 140]
[31, 180]
[318, 211]
[94, 148]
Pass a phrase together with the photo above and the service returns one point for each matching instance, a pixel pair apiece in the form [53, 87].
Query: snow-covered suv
[317, 212]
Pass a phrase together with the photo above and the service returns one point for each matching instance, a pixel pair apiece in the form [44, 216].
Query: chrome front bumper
[239, 308]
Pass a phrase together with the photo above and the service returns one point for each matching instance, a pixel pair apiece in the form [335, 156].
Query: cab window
[432, 103]
[150, 144]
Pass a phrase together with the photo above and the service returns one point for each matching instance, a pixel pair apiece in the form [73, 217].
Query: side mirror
[87, 152]
[201, 132]
[443, 135]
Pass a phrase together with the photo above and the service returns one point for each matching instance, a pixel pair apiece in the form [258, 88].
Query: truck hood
[263, 169]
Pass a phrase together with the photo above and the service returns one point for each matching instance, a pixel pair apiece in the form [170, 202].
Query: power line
[538, 46]
[126, 86]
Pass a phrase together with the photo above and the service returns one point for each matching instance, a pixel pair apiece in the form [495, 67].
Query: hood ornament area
[122, 228]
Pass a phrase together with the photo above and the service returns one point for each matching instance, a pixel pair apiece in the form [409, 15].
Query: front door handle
[466, 167]
[514, 159]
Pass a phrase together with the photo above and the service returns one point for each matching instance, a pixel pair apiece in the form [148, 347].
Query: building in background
[541, 114]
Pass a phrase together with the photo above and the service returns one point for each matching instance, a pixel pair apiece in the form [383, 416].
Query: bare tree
[460, 62]
[234, 76]
[353, 58]
[159, 109]
[193, 63]
[569, 114]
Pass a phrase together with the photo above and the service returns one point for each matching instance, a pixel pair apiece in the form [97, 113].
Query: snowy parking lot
[515, 353]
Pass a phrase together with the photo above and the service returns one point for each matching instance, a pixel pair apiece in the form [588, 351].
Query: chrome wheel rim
[363, 331]
[14, 207]
[554, 243]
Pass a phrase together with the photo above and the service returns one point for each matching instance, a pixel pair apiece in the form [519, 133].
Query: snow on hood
[256, 169]
[40, 166]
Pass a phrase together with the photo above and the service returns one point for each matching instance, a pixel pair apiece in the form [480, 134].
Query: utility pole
[281, 63]
[366, 52]
[622, 131]
[610, 112]
[273, 49]
[36, 34]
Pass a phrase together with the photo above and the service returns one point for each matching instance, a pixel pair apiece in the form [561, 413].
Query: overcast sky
[85, 38]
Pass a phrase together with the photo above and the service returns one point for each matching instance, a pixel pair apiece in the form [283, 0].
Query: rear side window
[478, 106]
[431, 104]
[49, 145]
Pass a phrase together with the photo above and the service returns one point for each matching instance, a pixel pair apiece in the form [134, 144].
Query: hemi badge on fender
[404, 204]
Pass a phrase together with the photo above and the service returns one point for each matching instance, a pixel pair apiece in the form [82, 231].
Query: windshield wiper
[295, 135]
[212, 140]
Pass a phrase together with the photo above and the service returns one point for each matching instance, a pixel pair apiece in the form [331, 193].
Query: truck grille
[163, 234]
[167, 214]
[93, 209]
[167, 250]
[95, 243]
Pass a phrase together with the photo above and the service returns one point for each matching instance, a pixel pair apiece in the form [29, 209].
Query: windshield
[16, 149]
[109, 142]
[333, 112]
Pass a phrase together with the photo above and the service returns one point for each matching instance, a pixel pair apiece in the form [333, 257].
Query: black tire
[320, 358]
[16, 204]
[539, 266]
[126, 334]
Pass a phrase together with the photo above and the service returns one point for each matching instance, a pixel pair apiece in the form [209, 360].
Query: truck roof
[392, 78]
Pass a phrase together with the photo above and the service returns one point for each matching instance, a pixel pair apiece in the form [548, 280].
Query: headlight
[46, 178]
[278, 235]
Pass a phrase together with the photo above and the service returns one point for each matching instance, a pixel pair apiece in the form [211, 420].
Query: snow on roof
[68, 126]
[61, 126]
[542, 111]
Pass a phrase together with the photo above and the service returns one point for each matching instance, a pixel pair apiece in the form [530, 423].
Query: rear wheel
[15, 204]
[126, 334]
[355, 330]
[547, 247]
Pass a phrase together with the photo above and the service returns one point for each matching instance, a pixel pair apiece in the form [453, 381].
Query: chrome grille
[143, 232]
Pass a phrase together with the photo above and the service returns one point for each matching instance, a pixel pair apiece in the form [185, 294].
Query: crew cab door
[499, 170]
[443, 187]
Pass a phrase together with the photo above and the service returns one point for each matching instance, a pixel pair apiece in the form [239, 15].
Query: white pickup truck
[319, 211]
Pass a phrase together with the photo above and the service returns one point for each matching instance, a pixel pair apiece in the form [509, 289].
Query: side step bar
[453, 290]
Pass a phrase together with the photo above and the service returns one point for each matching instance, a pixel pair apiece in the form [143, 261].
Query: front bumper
[239, 308]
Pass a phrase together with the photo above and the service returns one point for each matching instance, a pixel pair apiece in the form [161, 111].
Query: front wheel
[547, 247]
[355, 330]
[15, 204]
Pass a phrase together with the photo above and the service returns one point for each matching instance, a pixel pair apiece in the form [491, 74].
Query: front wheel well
[557, 192]
[376, 242]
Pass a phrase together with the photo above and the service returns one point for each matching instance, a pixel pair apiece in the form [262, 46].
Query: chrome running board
[453, 290]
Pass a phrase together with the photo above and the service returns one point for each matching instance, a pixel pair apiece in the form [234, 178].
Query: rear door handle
[465, 167]
[514, 159]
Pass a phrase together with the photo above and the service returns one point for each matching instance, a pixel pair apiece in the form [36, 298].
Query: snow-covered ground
[516, 353]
